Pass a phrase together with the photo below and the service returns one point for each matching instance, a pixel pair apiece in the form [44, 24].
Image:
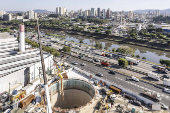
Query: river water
[151, 55]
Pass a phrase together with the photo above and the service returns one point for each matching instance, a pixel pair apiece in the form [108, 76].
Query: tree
[123, 62]
[133, 35]
[98, 46]
[137, 56]
[81, 41]
[106, 47]
[132, 55]
[125, 50]
[151, 26]
[144, 58]
[113, 50]
[67, 49]
[108, 32]
[97, 30]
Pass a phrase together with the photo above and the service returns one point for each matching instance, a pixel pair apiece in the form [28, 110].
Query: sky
[114, 5]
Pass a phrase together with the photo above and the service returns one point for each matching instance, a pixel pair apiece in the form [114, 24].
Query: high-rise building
[108, 13]
[2, 13]
[89, 12]
[104, 13]
[86, 13]
[157, 13]
[62, 10]
[130, 14]
[92, 12]
[57, 10]
[35, 15]
[7, 17]
[81, 14]
[98, 12]
[31, 14]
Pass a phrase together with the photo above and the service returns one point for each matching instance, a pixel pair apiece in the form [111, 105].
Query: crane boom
[48, 106]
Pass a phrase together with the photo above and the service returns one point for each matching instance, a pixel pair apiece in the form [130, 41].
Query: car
[99, 74]
[96, 60]
[135, 102]
[81, 56]
[91, 60]
[83, 64]
[112, 72]
[163, 106]
[166, 90]
[75, 63]
[69, 57]
[155, 66]
[166, 76]
[135, 79]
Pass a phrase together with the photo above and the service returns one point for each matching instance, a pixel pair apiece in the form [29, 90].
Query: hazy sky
[114, 5]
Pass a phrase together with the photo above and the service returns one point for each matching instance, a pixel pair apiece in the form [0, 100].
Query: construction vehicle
[105, 63]
[153, 75]
[115, 89]
[152, 95]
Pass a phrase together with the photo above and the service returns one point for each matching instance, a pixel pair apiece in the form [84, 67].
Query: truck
[105, 63]
[162, 69]
[156, 107]
[166, 82]
[132, 60]
[152, 95]
[153, 76]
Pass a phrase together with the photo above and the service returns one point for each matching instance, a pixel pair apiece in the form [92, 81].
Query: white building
[19, 17]
[2, 13]
[104, 13]
[92, 12]
[62, 10]
[130, 14]
[18, 68]
[57, 10]
[7, 17]
[35, 15]
[31, 14]
[86, 13]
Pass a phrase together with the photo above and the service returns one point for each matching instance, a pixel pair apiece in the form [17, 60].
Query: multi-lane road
[136, 87]
[118, 79]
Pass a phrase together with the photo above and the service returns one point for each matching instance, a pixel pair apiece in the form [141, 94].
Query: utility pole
[9, 91]
[48, 106]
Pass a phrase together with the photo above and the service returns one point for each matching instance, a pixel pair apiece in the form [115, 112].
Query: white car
[75, 63]
[166, 90]
[135, 79]
[83, 64]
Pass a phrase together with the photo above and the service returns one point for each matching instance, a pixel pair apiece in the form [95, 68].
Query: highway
[120, 80]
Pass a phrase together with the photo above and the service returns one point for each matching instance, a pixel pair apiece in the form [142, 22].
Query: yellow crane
[61, 78]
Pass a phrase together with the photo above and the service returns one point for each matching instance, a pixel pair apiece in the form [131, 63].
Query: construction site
[51, 85]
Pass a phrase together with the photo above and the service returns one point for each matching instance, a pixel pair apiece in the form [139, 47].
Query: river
[151, 55]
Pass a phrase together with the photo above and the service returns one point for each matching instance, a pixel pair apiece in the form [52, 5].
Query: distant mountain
[14, 11]
[151, 10]
[41, 11]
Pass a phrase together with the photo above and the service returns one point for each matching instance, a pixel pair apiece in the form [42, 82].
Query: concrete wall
[73, 98]
[13, 78]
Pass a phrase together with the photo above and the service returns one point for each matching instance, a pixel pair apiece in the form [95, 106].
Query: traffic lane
[95, 69]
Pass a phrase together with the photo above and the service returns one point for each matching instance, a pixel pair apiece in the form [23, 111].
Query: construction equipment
[48, 106]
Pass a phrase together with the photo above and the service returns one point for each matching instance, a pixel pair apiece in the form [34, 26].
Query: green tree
[132, 55]
[108, 32]
[137, 56]
[67, 49]
[144, 58]
[97, 30]
[151, 26]
[98, 46]
[113, 50]
[126, 50]
[122, 62]
[106, 47]
[81, 41]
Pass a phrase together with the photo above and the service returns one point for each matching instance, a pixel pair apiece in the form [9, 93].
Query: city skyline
[115, 5]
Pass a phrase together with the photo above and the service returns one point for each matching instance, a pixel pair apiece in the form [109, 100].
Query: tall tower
[21, 38]
[92, 12]
[98, 12]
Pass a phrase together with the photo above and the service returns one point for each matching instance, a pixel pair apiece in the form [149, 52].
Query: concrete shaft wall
[73, 98]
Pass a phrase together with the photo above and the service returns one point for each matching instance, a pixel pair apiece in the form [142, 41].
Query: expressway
[120, 80]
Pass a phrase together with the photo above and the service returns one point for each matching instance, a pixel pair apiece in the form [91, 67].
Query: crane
[48, 106]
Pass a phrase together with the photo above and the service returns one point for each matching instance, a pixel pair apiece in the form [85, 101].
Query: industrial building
[20, 64]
